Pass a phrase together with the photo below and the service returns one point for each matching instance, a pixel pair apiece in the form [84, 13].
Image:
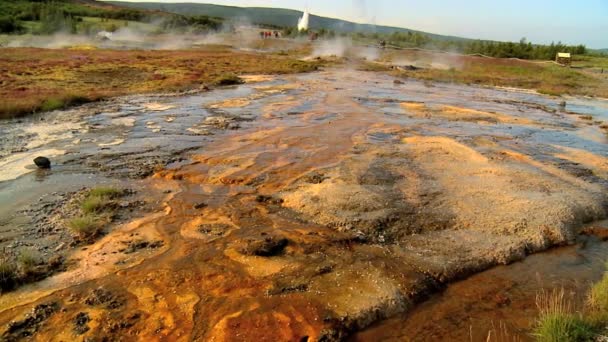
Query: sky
[540, 21]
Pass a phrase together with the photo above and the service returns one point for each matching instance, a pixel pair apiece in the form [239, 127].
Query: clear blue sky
[541, 21]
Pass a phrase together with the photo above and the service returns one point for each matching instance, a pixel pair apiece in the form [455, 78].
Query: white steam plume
[303, 22]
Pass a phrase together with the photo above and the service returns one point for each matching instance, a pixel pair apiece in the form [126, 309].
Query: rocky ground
[309, 207]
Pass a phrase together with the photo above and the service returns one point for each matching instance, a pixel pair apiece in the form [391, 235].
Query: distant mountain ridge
[272, 16]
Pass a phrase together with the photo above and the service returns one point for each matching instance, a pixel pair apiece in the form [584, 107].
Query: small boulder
[265, 247]
[42, 162]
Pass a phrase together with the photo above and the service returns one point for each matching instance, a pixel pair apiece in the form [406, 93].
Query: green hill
[270, 16]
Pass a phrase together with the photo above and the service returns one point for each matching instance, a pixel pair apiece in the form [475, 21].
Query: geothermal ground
[306, 207]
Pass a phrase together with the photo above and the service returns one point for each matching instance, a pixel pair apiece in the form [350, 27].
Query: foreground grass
[559, 322]
[96, 210]
[34, 80]
[546, 78]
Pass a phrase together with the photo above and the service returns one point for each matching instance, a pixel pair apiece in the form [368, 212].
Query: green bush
[10, 25]
[52, 104]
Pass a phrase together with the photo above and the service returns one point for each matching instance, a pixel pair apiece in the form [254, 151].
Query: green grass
[564, 328]
[558, 322]
[105, 192]
[52, 104]
[100, 200]
[86, 226]
[546, 78]
[590, 61]
[598, 298]
[97, 208]
[28, 258]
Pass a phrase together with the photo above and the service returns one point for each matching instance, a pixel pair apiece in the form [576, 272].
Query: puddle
[500, 300]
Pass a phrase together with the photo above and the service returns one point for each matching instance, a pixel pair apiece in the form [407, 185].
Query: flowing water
[314, 206]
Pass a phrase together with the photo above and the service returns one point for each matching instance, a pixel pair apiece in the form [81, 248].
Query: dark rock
[124, 322]
[19, 330]
[284, 289]
[214, 229]
[398, 82]
[268, 199]
[200, 205]
[42, 162]
[81, 323]
[104, 297]
[315, 178]
[266, 247]
[324, 269]
[135, 246]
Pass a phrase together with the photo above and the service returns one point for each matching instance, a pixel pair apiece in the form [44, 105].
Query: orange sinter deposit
[309, 207]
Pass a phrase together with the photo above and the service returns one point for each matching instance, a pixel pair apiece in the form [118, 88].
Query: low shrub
[86, 226]
[226, 80]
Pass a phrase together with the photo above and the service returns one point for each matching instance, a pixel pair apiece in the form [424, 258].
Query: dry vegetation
[40, 79]
[545, 77]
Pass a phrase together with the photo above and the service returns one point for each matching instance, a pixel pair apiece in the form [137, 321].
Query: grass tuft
[97, 209]
[558, 322]
[86, 226]
[106, 192]
[27, 260]
[100, 200]
[52, 104]
[598, 301]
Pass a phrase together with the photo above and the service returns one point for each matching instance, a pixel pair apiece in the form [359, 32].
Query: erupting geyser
[303, 22]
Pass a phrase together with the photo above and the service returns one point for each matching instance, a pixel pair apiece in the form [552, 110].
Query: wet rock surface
[105, 298]
[316, 225]
[19, 330]
[42, 162]
[267, 246]
[81, 323]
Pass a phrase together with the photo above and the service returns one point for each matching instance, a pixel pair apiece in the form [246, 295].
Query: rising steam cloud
[303, 22]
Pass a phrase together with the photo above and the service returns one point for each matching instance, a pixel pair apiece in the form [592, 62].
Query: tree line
[65, 16]
[522, 49]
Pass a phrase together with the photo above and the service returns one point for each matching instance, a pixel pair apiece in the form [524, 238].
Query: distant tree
[10, 25]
